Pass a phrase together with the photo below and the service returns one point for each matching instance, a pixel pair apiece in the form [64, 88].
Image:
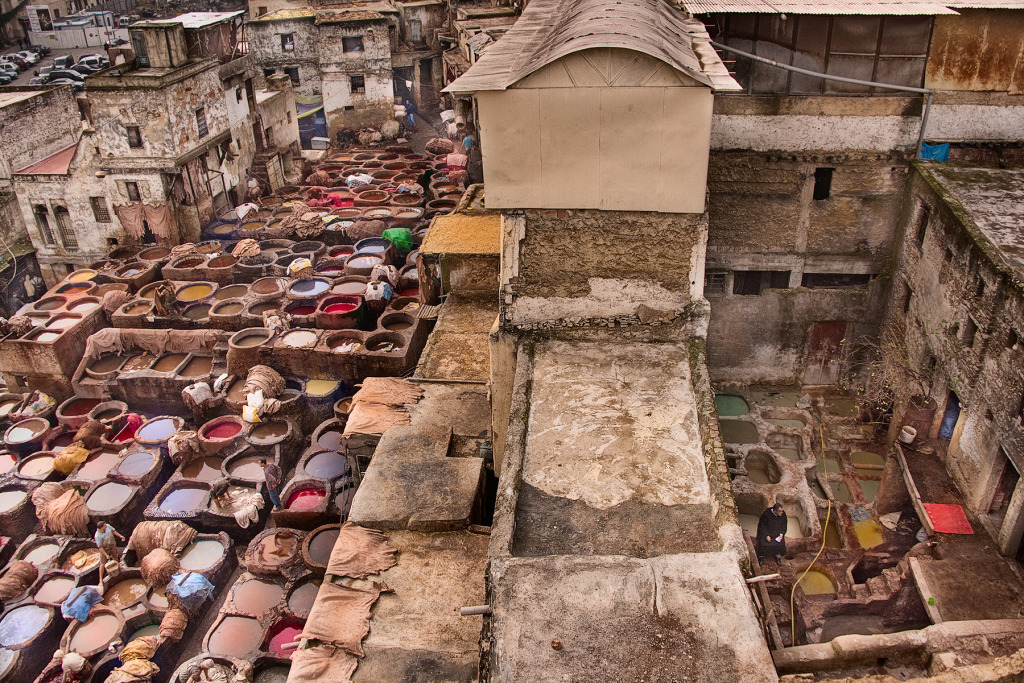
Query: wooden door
[823, 352]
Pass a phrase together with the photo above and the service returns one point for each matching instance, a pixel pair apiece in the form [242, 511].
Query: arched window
[43, 223]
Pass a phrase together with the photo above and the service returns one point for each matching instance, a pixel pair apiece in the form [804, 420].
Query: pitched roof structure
[57, 163]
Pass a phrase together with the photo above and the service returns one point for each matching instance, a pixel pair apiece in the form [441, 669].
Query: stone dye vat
[235, 636]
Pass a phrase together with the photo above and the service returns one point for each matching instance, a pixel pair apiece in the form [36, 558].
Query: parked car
[10, 66]
[39, 80]
[5, 78]
[94, 62]
[66, 73]
[63, 62]
[29, 56]
[44, 71]
[40, 50]
[85, 69]
[15, 58]
[77, 86]
[11, 73]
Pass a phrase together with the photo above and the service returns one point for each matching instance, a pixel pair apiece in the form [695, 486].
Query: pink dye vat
[340, 308]
[281, 635]
[305, 499]
[223, 430]
[302, 310]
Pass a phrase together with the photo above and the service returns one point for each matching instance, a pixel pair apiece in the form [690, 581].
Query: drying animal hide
[47, 492]
[158, 567]
[319, 179]
[341, 616]
[360, 552]
[323, 665]
[440, 146]
[169, 536]
[68, 515]
[91, 434]
[246, 249]
[362, 229]
[183, 447]
[71, 457]
[17, 579]
[135, 671]
[143, 647]
[263, 378]
[173, 624]
[387, 390]
[114, 300]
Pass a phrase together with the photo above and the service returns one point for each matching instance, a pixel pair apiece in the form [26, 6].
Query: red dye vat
[223, 430]
[281, 635]
[411, 291]
[305, 499]
[126, 434]
[340, 308]
[302, 310]
[341, 251]
[80, 406]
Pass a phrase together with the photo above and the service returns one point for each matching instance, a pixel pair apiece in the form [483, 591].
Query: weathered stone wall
[36, 127]
[265, 47]
[371, 107]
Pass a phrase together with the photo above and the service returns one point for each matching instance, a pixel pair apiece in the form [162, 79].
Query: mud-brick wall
[373, 106]
[264, 38]
[36, 127]
[571, 264]
[944, 273]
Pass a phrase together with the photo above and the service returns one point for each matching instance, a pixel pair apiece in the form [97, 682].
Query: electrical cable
[828, 515]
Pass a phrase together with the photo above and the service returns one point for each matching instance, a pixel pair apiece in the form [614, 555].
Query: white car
[29, 56]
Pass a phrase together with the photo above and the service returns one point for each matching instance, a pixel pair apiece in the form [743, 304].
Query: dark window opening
[111, 241]
[715, 283]
[139, 45]
[238, 94]
[947, 257]
[358, 85]
[288, 42]
[835, 280]
[261, 10]
[980, 291]
[1012, 339]
[907, 298]
[269, 72]
[293, 74]
[147, 235]
[134, 136]
[67, 235]
[201, 122]
[132, 188]
[348, 107]
[970, 331]
[43, 223]
[921, 227]
[753, 282]
[352, 44]
[99, 209]
[823, 183]
[989, 416]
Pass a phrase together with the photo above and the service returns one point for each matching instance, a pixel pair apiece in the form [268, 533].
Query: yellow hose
[828, 516]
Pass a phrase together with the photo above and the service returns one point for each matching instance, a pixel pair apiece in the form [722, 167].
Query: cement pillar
[1013, 523]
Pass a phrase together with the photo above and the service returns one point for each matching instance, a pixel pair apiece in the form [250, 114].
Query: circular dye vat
[305, 499]
[42, 554]
[200, 555]
[327, 465]
[25, 431]
[280, 635]
[63, 322]
[272, 674]
[125, 593]
[247, 468]
[331, 270]
[97, 467]
[159, 429]
[11, 499]
[300, 601]
[278, 548]
[22, 624]
[266, 431]
[108, 496]
[220, 431]
[320, 387]
[816, 583]
[36, 466]
[194, 292]
[184, 499]
[341, 308]
[350, 288]
[137, 308]
[8, 405]
[157, 597]
[130, 271]
[257, 596]
[231, 292]
[330, 439]
[247, 338]
[301, 309]
[147, 630]
[310, 287]
[84, 306]
[76, 407]
[321, 544]
[397, 325]
[7, 462]
[82, 561]
[198, 312]
[96, 632]
[54, 591]
[50, 303]
[203, 469]
[363, 261]
[235, 637]
[45, 336]
[228, 308]
[300, 338]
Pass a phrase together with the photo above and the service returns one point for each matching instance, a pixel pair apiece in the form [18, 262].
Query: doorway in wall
[823, 353]
[950, 416]
[1005, 486]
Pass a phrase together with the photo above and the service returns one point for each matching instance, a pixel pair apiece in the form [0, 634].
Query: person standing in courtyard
[272, 473]
[771, 534]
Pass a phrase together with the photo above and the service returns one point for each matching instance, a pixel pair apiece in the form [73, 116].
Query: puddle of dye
[97, 467]
[11, 499]
[7, 462]
[169, 362]
[236, 392]
[124, 593]
[42, 554]
[200, 365]
[21, 624]
[749, 524]
[782, 399]
[82, 561]
[327, 465]
[788, 453]
[739, 432]
[184, 499]
[816, 583]
[147, 630]
[95, 633]
[222, 430]
[300, 602]
[200, 555]
[109, 496]
[53, 591]
[321, 545]
[269, 430]
[195, 292]
[247, 468]
[330, 439]
[281, 634]
[157, 597]
[831, 464]
[842, 407]
[37, 466]
[351, 288]
[257, 596]
[235, 637]
[832, 537]
[273, 674]
[869, 533]
[299, 338]
[305, 309]
[398, 326]
[841, 492]
[157, 430]
[203, 469]
[305, 499]
[251, 340]
[789, 424]
[729, 405]
[870, 488]
[320, 387]
[82, 406]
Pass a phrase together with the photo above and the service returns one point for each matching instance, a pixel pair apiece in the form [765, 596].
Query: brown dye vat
[36, 466]
[201, 555]
[194, 292]
[203, 469]
[149, 291]
[184, 499]
[137, 308]
[251, 337]
[231, 292]
[235, 637]
[78, 407]
[75, 288]
[225, 229]
[140, 362]
[224, 261]
[125, 593]
[385, 343]
[269, 430]
[42, 555]
[397, 323]
[261, 308]
[251, 226]
[82, 561]
[236, 393]
[331, 438]
[169, 362]
[137, 463]
[278, 548]
[95, 633]
[189, 262]
[247, 468]
[105, 364]
[257, 596]
[157, 597]
[109, 496]
[300, 600]
[199, 365]
[321, 544]
[154, 253]
[97, 466]
[50, 303]
[228, 308]
[197, 312]
[53, 591]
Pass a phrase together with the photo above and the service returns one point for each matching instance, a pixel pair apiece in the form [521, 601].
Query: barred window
[43, 223]
[67, 235]
[201, 122]
[715, 283]
[99, 209]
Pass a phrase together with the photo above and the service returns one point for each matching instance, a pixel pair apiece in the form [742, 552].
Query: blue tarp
[935, 152]
[191, 588]
[79, 603]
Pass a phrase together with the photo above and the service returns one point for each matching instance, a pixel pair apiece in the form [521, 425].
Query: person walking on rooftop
[771, 534]
[272, 473]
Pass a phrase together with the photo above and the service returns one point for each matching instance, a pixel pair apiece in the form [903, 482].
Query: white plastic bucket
[907, 435]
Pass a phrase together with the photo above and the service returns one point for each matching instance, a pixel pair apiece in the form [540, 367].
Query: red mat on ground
[948, 519]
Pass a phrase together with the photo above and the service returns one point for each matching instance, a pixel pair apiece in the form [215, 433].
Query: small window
[970, 332]
[293, 74]
[921, 227]
[261, 10]
[908, 297]
[134, 137]
[348, 107]
[358, 85]
[288, 114]
[823, 183]
[288, 42]
[67, 235]
[753, 282]
[1012, 339]
[238, 94]
[715, 283]
[415, 31]
[201, 122]
[835, 280]
[269, 72]
[352, 44]
[43, 223]
[99, 209]
[132, 188]
[989, 416]
[980, 291]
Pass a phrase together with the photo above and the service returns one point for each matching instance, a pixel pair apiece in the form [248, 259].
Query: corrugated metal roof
[551, 29]
[828, 7]
[192, 19]
[57, 163]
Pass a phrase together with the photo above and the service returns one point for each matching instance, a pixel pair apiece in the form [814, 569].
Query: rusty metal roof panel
[57, 163]
[551, 29]
[827, 7]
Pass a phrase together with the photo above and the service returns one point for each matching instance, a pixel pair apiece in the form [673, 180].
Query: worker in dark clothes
[272, 474]
[771, 534]
[424, 180]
